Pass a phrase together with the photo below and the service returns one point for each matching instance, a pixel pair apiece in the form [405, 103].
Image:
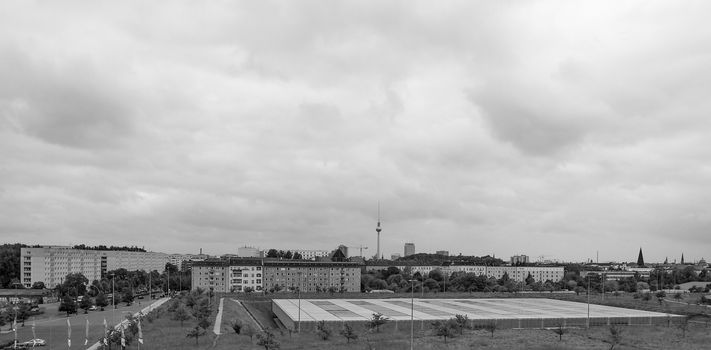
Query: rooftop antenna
[378, 229]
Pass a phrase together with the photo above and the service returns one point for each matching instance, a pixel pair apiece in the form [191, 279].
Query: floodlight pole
[298, 329]
[588, 321]
[412, 314]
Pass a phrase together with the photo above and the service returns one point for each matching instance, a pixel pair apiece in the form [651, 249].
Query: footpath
[143, 311]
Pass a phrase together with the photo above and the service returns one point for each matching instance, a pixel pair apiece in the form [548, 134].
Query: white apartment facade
[229, 275]
[51, 264]
[515, 273]
[180, 259]
[312, 254]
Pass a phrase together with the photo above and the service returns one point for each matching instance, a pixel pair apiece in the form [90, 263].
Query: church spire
[682, 258]
[640, 258]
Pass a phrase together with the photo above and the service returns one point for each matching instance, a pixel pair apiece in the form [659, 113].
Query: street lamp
[299, 292]
[588, 321]
[412, 314]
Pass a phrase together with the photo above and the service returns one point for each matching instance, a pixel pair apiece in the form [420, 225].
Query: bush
[323, 331]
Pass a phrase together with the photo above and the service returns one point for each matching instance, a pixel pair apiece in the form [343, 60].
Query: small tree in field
[490, 327]
[204, 323]
[660, 296]
[181, 314]
[462, 323]
[267, 340]
[322, 330]
[248, 331]
[615, 335]
[376, 321]
[678, 296]
[237, 326]
[348, 333]
[443, 329]
[560, 330]
[196, 332]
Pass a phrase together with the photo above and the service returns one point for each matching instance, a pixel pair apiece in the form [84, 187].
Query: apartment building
[184, 261]
[308, 254]
[516, 273]
[51, 264]
[311, 276]
[238, 274]
[228, 275]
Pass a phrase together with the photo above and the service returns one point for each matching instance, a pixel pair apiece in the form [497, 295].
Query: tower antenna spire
[378, 229]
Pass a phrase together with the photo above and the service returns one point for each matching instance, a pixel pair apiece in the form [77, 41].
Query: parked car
[32, 343]
[93, 308]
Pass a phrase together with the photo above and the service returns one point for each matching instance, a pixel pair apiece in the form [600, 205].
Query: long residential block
[51, 264]
[240, 275]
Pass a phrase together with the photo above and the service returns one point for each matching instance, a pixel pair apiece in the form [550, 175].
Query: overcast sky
[553, 129]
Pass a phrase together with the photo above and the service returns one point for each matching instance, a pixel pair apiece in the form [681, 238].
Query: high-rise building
[519, 259]
[51, 264]
[409, 249]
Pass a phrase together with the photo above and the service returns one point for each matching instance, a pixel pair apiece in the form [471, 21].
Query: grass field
[164, 333]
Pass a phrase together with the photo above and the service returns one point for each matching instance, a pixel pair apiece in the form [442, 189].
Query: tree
[462, 323]
[660, 296]
[74, 283]
[101, 301]
[181, 314]
[615, 335]
[297, 256]
[322, 330]
[38, 285]
[490, 327]
[236, 326]
[204, 323]
[530, 280]
[195, 332]
[23, 312]
[678, 296]
[267, 340]
[127, 296]
[272, 253]
[376, 321]
[68, 304]
[85, 304]
[444, 329]
[248, 331]
[348, 333]
[560, 330]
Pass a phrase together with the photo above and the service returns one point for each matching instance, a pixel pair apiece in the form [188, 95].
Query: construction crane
[361, 247]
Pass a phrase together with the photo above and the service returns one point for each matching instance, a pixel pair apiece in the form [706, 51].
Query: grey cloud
[69, 105]
[530, 123]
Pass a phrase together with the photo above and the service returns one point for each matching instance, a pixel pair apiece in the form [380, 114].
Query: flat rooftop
[398, 309]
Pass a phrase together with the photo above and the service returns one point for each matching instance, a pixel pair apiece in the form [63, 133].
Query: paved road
[54, 328]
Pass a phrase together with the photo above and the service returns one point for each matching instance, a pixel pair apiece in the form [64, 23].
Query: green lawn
[164, 333]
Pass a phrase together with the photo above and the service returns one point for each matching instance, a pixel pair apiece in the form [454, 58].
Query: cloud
[543, 128]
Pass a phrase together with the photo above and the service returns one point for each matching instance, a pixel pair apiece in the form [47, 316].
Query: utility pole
[412, 314]
[299, 291]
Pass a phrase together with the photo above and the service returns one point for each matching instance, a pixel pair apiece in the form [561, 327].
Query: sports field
[507, 313]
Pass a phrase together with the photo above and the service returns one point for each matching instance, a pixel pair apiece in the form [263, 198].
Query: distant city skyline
[547, 128]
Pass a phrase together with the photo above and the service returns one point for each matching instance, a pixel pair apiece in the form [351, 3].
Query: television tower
[378, 229]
